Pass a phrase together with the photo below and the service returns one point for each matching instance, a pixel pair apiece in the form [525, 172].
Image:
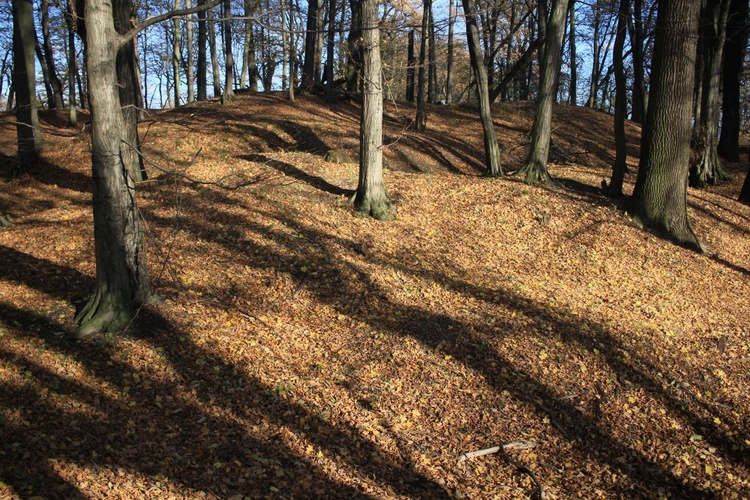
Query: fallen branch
[518, 445]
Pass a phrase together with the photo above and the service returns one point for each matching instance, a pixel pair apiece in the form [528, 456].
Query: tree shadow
[464, 342]
[296, 173]
[182, 417]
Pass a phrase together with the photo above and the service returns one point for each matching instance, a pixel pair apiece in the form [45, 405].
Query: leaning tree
[659, 200]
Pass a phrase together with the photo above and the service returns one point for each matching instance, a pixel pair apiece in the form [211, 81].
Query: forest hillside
[300, 351]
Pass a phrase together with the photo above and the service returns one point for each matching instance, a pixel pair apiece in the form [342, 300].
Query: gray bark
[659, 201]
[371, 198]
[24, 84]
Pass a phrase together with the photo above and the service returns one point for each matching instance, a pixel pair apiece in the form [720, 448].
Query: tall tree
[49, 60]
[176, 55]
[640, 96]
[314, 8]
[24, 83]
[122, 279]
[214, 52]
[228, 94]
[420, 122]
[190, 66]
[129, 90]
[249, 63]
[621, 105]
[330, 45]
[354, 54]
[202, 69]
[449, 63]
[411, 62]
[573, 92]
[735, 47]
[371, 198]
[491, 148]
[659, 200]
[535, 168]
[70, 19]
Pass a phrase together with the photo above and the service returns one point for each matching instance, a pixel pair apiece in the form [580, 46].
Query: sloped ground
[304, 352]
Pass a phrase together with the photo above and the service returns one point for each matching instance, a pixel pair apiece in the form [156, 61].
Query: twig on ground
[518, 445]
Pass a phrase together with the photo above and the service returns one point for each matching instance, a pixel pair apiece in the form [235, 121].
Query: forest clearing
[300, 351]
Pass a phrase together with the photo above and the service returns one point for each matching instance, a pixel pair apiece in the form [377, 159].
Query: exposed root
[535, 173]
[100, 314]
[5, 221]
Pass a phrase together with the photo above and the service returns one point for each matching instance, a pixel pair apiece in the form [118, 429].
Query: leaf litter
[303, 352]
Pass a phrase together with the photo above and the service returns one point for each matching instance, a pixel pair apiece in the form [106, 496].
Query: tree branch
[123, 39]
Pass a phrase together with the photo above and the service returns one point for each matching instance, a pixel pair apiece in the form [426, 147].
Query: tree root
[5, 221]
[100, 314]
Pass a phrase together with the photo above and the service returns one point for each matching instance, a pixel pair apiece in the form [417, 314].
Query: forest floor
[304, 352]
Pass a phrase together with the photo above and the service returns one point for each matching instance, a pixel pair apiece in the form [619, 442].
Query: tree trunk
[573, 93]
[659, 201]
[734, 56]
[330, 43]
[745, 191]
[594, 84]
[202, 70]
[129, 87]
[709, 169]
[228, 94]
[420, 121]
[354, 55]
[449, 69]
[621, 106]
[432, 87]
[214, 52]
[54, 81]
[190, 67]
[292, 52]
[640, 95]
[24, 83]
[491, 148]
[411, 62]
[176, 55]
[72, 62]
[122, 279]
[371, 198]
[311, 46]
[535, 168]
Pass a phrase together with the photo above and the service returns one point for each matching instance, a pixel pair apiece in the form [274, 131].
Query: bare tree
[24, 83]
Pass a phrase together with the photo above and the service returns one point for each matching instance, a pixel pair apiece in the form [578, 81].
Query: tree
[371, 198]
[70, 19]
[24, 82]
[176, 55]
[129, 90]
[621, 106]
[535, 168]
[314, 8]
[449, 69]
[420, 121]
[735, 46]
[573, 92]
[228, 94]
[659, 200]
[202, 70]
[491, 148]
[122, 279]
[709, 169]
[51, 78]
[640, 95]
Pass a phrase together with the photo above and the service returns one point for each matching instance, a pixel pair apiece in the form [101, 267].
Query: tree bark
[573, 92]
[354, 55]
[371, 198]
[449, 63]
[129, 90]
[176, 55]
[202, 70]
[54, 80]
[24, 83]
[122, 279]
[659, 201]
[432, 86]
[214, 53]
[640, 96]
[72, 62]
[330, 41]
[228, 94]
[491, 148]
[735, 47]
[621, 106]
[411, 62]
[190, 66]
[420, 121]
[314, 8]
[535, 168]
[709, 169]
